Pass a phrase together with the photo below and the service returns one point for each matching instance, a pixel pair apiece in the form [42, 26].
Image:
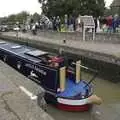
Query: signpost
[88, 23]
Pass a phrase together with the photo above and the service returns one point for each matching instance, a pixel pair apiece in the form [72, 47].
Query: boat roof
[30, 53]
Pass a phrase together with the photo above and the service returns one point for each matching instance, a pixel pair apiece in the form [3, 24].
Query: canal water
[108, 110]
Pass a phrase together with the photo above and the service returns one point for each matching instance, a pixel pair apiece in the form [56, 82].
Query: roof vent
[36, 53]
[16, 47]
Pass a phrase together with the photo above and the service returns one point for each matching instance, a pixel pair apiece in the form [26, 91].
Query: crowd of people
[110, 23]
[69, 23]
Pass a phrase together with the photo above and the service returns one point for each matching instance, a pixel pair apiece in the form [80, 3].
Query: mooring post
[64, 41]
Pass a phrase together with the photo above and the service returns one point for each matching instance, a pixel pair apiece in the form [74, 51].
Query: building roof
[115, 3]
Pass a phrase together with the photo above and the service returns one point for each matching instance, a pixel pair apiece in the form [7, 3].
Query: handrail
[92, 70]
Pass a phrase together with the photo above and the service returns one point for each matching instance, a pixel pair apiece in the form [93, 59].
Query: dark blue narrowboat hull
[34, 64]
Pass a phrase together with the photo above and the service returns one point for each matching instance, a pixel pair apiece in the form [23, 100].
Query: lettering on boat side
[36, 68]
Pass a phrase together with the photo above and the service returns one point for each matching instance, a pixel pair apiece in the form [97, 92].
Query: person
[66, 22]
[103, 23]
[74, 23]
[78, 24]
[71, 24]
[110, 23]
[37, 25]
[51, 24]
[115, 23]
[96, 24]
[34, 29]
[56, 62]
[58, 23]
[54, 24]
[53, 64]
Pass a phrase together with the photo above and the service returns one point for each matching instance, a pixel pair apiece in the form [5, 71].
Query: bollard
[64, 41]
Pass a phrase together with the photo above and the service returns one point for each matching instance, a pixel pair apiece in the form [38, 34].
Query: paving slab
[14, 103]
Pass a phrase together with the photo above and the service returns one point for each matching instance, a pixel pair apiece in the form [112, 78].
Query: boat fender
[94, 100]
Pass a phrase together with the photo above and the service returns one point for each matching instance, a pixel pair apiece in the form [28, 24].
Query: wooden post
[78, 63]
[94, 34]
[62, 78]
[83, 33]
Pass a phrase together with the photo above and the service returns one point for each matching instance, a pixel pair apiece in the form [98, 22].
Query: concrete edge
[55, 48]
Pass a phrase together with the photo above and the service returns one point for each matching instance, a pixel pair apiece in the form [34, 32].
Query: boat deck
[73, 90]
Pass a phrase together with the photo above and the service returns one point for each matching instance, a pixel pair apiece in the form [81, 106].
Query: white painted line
[28, 93]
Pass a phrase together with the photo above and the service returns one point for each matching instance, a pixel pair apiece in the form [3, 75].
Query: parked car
[4, 28]
[16, 29]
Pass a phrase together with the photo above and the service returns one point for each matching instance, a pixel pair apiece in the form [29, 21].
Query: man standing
[96, 24]
[115, 23]
[66, 22]
[58, 24]
[54, 24]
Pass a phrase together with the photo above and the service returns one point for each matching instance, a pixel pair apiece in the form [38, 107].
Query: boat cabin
[47, 69]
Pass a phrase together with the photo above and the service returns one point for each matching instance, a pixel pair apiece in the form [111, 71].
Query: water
[109, 110]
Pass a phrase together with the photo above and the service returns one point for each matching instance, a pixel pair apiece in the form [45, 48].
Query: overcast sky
[8, 7]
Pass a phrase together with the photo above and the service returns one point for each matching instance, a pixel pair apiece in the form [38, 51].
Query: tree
[3, 20]
[11, 19]
[111, 11]
[20, 17]
[36, 17]
[74, 7]
[115, 7]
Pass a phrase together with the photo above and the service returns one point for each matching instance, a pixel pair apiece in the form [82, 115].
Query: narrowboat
[60, 78]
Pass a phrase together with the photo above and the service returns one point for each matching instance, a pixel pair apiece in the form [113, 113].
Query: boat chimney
[62, 78]
[78, 69]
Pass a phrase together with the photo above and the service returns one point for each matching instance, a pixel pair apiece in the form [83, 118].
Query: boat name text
[36, 68]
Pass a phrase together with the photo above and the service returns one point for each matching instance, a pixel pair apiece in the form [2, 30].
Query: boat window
[36, 53]
[16, 47]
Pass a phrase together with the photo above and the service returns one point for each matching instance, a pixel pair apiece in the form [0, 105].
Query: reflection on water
[109, 110]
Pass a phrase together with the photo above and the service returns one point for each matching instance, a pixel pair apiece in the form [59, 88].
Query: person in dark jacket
[96, 24]
[54, 24]
[58, 23]
[115, 23]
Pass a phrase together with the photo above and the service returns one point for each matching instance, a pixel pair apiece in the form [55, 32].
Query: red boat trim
[79, 108]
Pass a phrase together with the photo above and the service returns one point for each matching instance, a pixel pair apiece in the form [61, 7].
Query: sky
[108, 2]
[8, 7]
